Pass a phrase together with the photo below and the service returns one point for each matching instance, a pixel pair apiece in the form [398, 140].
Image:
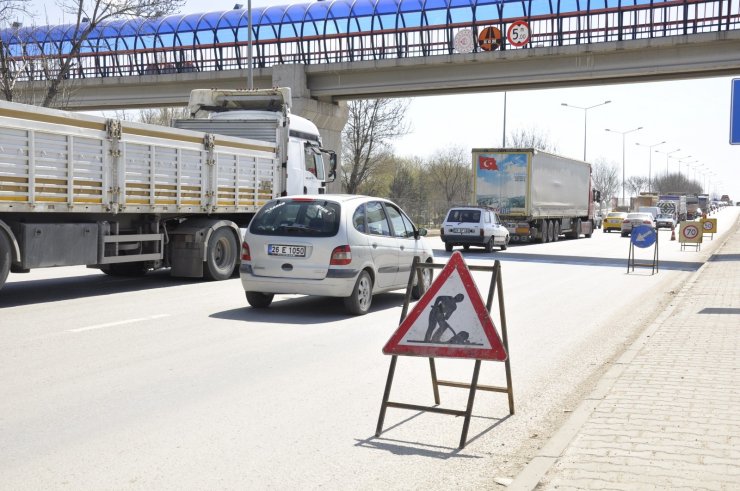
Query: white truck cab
[264, 114]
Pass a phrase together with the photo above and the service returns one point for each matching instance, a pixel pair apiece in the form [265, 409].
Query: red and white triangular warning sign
[450, 320]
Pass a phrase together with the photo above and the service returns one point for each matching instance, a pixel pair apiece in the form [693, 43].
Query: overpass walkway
[347, 31]
[667, 414]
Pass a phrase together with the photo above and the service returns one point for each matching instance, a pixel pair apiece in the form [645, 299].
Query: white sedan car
[634, 219]
[332, 245]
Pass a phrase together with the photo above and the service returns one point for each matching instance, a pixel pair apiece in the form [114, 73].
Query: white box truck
[127, 197]
[538, 195]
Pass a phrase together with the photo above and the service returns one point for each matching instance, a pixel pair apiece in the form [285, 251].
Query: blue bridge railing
[342, 31]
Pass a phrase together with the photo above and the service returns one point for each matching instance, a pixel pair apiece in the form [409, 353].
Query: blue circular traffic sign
[643, 236]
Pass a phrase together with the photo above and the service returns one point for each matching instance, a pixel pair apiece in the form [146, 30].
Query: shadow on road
[19, 293]
[306, 309]
[561, 259]
[402, 447]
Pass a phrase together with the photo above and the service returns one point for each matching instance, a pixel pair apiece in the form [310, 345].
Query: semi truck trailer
[127, 197]
[539, 196]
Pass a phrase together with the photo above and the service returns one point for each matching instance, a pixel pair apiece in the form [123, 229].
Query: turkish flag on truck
[487, 163]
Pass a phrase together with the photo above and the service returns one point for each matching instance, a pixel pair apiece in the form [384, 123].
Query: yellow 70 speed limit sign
[518, 33]
[690, 233]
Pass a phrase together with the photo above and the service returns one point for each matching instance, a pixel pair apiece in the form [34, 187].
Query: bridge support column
[329, 117]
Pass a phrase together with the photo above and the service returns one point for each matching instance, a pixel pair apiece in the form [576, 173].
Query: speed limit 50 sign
[518, 33]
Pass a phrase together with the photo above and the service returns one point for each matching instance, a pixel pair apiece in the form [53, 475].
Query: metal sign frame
[496, 286]
[631, 261]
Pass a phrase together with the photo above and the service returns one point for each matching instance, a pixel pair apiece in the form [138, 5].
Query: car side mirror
[422, 232]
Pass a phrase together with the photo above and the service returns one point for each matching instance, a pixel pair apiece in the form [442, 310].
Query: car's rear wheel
[448, 247]
[259, 300]
[358, 303]
[427, 274]
[466, 247]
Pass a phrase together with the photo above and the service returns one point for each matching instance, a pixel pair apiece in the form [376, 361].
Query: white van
[653, 210]
[473, 225]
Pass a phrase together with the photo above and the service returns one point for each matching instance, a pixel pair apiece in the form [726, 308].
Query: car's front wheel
[358, 303]
[506, 243]
[259, 300]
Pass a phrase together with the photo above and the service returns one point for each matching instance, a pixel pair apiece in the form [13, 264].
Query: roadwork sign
[450, 320]
[643, 236]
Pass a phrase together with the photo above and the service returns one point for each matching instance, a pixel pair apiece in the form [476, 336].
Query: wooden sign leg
[386, 395]
[471, 399]
[435, 384]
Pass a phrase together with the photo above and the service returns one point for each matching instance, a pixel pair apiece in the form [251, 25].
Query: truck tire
[221, 255]
[358, 303]
[576, 234]
[556, 231]
[5, 258]
[259, 300]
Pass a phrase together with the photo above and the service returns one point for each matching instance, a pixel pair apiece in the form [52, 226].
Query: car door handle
[402, 247]
[375, 245]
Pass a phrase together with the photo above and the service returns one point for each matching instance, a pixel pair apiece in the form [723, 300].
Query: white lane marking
[119, 323]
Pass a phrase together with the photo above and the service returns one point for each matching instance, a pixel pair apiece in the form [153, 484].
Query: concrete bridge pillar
[329, 117]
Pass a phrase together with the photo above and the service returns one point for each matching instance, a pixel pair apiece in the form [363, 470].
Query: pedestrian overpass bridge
[334, 50]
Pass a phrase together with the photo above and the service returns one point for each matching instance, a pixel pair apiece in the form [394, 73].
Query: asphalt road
[111, 383]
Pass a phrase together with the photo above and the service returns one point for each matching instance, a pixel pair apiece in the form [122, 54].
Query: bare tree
[636, 184]
[23, 59]
[366, 138]
[606, 180]
[675, 183]
[450, 175]
[10, 13]
[531, 138]
[163, 116]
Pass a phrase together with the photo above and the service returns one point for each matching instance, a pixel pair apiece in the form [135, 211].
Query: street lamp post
[585, 118]
[679, 164]
[650, 162]
[667, 156]
[623, 133]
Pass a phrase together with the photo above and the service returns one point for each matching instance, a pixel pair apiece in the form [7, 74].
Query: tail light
[442, 230]
[341, 256]
[647, 222]
[481, 232]
[246, 256]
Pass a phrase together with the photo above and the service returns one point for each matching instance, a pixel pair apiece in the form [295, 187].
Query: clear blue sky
[692, 115]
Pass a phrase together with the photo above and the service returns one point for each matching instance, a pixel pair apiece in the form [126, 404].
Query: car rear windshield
[297, 217]
[469, 216]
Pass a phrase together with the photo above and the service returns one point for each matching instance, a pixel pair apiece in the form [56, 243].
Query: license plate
[286, 250]
[461, 230]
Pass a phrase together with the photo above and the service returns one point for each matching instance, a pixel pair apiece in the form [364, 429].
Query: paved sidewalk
[667, 415]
